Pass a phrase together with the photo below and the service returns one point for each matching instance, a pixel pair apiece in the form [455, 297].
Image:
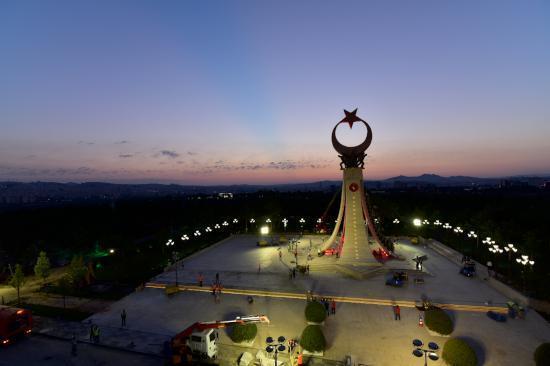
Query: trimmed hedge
[243, 332]
[457, 352]
[439, 321]
[542, 355]
[315, 312]
[313, 339]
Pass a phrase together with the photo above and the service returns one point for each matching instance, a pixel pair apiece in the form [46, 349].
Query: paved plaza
[366, 331]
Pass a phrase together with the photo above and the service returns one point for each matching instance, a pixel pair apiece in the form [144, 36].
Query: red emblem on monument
[353, 187]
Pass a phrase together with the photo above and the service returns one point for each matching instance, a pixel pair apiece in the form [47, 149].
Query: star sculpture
[351, 117]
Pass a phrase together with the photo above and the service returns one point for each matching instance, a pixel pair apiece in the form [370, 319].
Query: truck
[14, 323]
[200, 339]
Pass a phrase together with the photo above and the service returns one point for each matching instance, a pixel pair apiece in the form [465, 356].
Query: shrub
[439, 321]
[457, 352]
[243, 332]
[313, 339]
[542, 354]
[315, 312]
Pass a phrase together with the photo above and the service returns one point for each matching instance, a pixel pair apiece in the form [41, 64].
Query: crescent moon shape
[352, 150]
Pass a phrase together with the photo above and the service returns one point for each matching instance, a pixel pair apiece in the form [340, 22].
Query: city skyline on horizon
[195, 93]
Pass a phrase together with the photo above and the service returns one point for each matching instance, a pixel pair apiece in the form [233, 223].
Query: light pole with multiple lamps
[285, 222]
[430, 352]
[275, 346]
[170, 243]
[525, 261]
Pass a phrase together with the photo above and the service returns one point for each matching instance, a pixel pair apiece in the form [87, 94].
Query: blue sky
[245, 91]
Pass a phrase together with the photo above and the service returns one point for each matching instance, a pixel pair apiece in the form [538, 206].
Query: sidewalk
[112, 337]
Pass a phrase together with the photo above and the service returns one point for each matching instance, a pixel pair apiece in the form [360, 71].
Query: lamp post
[275, 346]
[510, 248]
[525, 261]
[268, 221]
[472, 234]
[302, 222]
[285, 222]
[170, 243]
[430, 352]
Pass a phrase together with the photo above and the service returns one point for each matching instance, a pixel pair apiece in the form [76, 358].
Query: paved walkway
[112, 337]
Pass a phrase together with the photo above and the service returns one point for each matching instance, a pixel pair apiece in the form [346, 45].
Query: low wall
[511, 293]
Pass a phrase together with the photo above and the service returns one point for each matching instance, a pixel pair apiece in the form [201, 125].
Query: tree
[313, 339]
[42, 266]
[439, 321]
[17, 280]
[542, 354]
[243, 332]
[315, 312]
[77, 270]
[457, 352]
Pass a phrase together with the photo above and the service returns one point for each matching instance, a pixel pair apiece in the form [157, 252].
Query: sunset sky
[216, 92]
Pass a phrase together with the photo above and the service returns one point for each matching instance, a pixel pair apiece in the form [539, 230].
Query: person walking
[91, 332]
[218, 294]
[217, 277]
[123, 318]
[397, 312]
[259, 267]
[300, 360]
[201, 279]
[73, 345]
[325, 303]
[294, 272]
[333, 307]
[280, 255]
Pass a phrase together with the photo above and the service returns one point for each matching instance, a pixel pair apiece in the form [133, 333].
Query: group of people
[330, 305]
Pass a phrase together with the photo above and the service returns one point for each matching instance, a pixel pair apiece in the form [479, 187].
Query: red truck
[14, 322]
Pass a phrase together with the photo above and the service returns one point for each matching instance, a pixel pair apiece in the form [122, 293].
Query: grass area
[111, 293]
[55, 312]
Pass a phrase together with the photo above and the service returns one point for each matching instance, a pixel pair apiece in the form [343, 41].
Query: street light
[510, 248]
[225, 223]
[396, 221]
[235, 221]
[425, 222]
[217, 226]
[417, 222]
[277, 346]
[488, 241]
[430, 352]
[169, 243]
[285, 222]
[447, 226]
[184, 237]
[437, 223]
[524, 261]
[458, 230]
[302, 221]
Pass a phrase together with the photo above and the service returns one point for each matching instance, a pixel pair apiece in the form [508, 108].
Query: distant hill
[37, 192]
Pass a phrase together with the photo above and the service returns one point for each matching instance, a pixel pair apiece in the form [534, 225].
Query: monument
[350, 239]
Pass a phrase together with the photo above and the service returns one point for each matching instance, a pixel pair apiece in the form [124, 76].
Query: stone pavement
[113, 337]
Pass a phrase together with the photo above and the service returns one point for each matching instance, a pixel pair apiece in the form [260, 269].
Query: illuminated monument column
[353, 218]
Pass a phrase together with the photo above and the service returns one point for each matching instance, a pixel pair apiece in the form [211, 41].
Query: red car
[14, 322]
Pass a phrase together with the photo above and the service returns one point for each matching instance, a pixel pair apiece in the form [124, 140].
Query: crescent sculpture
[352, 156]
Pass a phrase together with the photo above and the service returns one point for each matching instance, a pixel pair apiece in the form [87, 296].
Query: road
[44, 351]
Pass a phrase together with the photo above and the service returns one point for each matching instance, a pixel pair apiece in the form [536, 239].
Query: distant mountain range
[18, 192]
